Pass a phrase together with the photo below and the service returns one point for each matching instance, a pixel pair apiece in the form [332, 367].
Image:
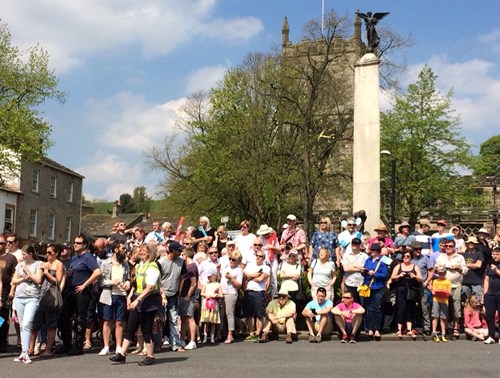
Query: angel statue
[371, 33]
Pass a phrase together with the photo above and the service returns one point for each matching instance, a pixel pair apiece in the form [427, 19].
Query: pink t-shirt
[354, 306]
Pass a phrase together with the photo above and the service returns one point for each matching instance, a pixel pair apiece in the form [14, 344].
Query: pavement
[387, 358]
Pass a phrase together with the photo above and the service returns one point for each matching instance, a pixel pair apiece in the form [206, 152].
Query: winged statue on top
[371, 33]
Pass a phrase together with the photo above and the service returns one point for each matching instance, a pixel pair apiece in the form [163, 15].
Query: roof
[51, 163]
[99, 225]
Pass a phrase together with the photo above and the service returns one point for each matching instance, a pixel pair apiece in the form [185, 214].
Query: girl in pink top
[474, 322]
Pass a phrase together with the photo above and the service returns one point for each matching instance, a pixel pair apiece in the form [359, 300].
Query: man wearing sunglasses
[280, 317]
[455, 269]
[254, 299]
[348, 316]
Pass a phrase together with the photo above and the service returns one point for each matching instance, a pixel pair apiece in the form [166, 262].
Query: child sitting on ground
[474, 322]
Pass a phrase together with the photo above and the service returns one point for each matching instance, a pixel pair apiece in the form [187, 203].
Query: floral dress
[210, 313]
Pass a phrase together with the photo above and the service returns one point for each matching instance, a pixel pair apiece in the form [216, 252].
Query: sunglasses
[282, 296]
[407, 256]
[212, 253]
[450, 246]
[10, 241]
[322, 223]
[231, 259]
[346, 297]
[261, 256]
[78, 243]
[258, 245]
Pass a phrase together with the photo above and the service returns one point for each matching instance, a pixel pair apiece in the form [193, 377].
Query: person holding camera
[408, 278]
[317, 316]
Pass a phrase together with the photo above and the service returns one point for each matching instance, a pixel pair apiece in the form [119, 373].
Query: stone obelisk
[366, 146]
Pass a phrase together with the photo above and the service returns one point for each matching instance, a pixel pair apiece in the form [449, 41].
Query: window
[9, 219]
[35, 180]
[68, 229]
[52, 226]
[53, 186]
[71, 187]
[33, 222]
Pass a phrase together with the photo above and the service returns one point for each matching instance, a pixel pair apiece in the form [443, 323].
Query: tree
[26, 82]
[423, 135]
[127, 205]
[488, 161]
[141, 200]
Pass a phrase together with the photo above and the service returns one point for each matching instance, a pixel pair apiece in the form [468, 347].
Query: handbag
[365, 290]
[411, 293]
[210, 303]
[52, 299]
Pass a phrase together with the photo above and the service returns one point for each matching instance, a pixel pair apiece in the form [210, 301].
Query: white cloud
[128, 122]
[205, 78]
[115, 173]
[71, 31]
[476, 93]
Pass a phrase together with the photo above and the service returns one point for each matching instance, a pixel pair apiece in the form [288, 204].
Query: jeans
[492, 305]
[75, 308]
[373, 306]
[172, 314]
[26, 309]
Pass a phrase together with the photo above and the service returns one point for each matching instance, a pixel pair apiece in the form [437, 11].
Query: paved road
[387, 358]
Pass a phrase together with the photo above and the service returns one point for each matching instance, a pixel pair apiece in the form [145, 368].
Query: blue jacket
[380, 275]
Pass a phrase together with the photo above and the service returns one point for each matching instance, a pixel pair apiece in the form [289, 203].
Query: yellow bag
[364, 291]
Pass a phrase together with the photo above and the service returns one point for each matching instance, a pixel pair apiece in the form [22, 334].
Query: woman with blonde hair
[324, 237]
[321, 273]
[144, 301]
[231, 281]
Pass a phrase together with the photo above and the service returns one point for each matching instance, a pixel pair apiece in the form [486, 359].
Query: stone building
[42, 203]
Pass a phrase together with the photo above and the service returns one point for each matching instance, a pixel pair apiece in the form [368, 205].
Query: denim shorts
[117, 310]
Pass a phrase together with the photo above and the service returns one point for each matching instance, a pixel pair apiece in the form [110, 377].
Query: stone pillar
[366, 146]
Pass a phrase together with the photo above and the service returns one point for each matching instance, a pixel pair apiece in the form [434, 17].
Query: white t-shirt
[244, 243]
[322, 273]
[289, 269]
[354, 279]
[254, 268]
[227, 286]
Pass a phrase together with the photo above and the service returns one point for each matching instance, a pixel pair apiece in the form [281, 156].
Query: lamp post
[393, 189]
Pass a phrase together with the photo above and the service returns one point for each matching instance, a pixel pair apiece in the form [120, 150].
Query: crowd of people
[141, 290]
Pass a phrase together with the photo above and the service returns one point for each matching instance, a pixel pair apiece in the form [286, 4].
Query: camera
[288, 245]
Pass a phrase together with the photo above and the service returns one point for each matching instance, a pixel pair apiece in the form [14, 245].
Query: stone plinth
[366, 147]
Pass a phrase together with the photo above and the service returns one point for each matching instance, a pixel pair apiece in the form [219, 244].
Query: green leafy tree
[422, 133]
[141, 200]
[127, 204]
[488, 161]
[26, 82]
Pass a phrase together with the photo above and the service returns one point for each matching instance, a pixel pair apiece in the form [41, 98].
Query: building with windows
[42, 203]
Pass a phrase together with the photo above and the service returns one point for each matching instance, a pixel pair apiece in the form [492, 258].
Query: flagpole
[322, 16]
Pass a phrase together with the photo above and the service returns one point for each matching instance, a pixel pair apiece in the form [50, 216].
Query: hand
[133, 304]
[80, 288]
[69, 272]
[116, 282]
[164, 301]
[371, 272]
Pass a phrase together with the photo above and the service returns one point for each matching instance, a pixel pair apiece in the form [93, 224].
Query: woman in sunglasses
[408, 278]
[231, 280]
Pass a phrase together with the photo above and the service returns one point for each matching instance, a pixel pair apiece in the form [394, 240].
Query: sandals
[412, 334]
[400, 335]
[87, 345]
[229, 341]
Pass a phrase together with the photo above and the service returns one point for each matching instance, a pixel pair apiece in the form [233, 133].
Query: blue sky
[128, 65]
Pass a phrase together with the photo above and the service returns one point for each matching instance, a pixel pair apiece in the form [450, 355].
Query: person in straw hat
[280, 317]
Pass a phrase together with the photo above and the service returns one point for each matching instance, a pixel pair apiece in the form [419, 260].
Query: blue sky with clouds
[128, 65]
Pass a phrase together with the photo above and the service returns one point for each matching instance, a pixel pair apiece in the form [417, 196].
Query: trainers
[318, 338]
[489, 340]
[105, 351]
[312, 338]
[352, 339]
[27, 359]
[118, 358]
[288, 338]
[191, 345]
[20, 358]
[443, 338]
[344, 338]
[435, 338]
[147, 361]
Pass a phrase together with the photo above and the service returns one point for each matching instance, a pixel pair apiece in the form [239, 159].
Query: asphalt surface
[387, 358]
